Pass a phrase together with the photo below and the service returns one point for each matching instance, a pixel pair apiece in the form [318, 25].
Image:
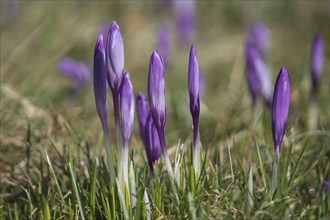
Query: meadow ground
[52, 150]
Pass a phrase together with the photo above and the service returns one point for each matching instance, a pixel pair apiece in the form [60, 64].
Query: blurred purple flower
[259, 35]
[9, 10]
[100, 83]
[127, 109]
[143, 112]
[193, 86]
[317, 59]
[257, 75]
[115, 57]
[185, 15]
[164, 43]
[280, 107]
[78, 72]
[152, 144]
[326, 184]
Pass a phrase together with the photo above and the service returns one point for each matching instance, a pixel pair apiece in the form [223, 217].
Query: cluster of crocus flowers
[280, 111]
[109, 68]
[79, 73]
[193, 87]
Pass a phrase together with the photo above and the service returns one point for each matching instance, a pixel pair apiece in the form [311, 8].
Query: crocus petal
[317, 59]
[100, 81]
[193, 82]
[115, 57]
[260, 37]
[152, 146]
[280, 107]
[127, 109]
[156, 90]
[143, 112]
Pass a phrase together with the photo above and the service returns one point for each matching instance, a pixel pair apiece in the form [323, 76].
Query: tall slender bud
[260, 37]
[280, 107]
[317, 61]
[100, 93]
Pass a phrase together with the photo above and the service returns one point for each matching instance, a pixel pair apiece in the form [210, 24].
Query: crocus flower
[280, 107]
[143, 112]
[100, 93]
[78, 72]
[326, 184]
[115, 57]
[156, 94]
[193, 86]
[164, 43]
[259, 35]
[185, 15]
[258, 75]
[127, 120]
[280, 110]
[317, 62]
[115, 72]
[152, 144]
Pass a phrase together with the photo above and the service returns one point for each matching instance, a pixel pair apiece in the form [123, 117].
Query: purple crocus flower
[156, 94]
[259, 35]
[252, 77]
[326, 184]
[115, 72]
[100, 93]
[152, 144]
[143, 112]
[280, 110]
[115, 57]
[185, 15]
[193, 86]
[258, 75]
[280, 107]
[317, 62]
[164, 43]
[127, 123]
[78, 72]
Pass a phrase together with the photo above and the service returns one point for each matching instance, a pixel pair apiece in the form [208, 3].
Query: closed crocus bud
[115, 57]
[260, 37]
[127, 109]
[100, 82]
[193, 86]
[152, 144]
[280, 107]
[143, 112]
[317, 60]
[252, 77]
[156, 90]
[266, 89]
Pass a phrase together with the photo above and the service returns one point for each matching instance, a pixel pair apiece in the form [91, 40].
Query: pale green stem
[276, 168]
[250, 189]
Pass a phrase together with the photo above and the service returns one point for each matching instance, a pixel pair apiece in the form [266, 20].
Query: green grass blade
[75, 188]
[262, 168]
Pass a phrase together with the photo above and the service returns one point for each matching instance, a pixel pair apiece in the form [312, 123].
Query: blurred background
[38, 39]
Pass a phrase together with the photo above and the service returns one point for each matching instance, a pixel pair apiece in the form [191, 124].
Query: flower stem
[164, 152]
[196, 147]
[108, 150]
[276, 168]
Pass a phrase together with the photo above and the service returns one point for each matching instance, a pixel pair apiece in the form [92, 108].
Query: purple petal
[326, 184]
[143, 112]
[127, 109]
[152, 145]
[280, 107]
[193, 82]
[317, 59]
[115, 57]
[156, 90]
[260, 38]
[100, 82]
